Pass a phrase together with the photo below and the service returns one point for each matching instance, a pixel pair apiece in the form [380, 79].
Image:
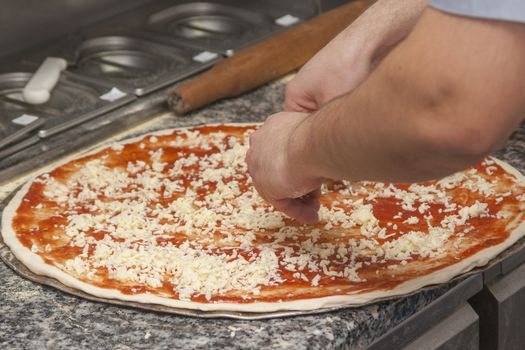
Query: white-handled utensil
[38, 89]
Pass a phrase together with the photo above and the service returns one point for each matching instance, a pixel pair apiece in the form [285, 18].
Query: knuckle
[270, 118]
[251, 164]
[273, 117]
[289, 90]
[253, 138]
[249, 158]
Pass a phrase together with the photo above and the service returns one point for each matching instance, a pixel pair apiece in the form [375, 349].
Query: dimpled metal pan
[73, 100]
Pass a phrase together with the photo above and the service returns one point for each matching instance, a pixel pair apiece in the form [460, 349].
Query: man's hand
[333, 71]
[433, 106]
[350, 57]
[279, 174]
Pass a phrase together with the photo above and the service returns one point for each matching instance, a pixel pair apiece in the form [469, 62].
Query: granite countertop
[39, 317]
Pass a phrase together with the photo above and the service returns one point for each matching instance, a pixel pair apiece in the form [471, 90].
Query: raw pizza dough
[171, 218]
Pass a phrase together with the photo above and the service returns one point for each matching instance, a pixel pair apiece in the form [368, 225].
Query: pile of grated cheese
[197, 225]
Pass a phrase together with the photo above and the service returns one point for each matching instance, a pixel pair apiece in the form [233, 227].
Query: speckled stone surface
[38, 317]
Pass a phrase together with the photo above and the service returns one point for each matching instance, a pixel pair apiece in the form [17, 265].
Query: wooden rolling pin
[265, 61]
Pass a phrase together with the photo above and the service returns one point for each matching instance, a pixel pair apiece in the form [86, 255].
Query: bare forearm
[422, 114]
[359, 137]
[350, 57]
[372, 134]
[384, 24]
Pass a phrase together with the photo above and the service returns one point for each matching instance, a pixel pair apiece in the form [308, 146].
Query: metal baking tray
[222, 26]
[15, 120]
[19, 146]
[212, 25]
[226, 26]
[8, 257]
[139, 66]
[14, 164]
[11, 130]
[73, 100]
[130, 63]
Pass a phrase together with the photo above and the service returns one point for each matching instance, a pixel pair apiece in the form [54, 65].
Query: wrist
[301, 155]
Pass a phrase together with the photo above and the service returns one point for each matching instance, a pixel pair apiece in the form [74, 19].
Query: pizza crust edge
[37, 265]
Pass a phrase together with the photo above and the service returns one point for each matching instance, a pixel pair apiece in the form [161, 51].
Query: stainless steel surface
[81, 136]
[210, 24]
[12, 106]
[326, 5]
[137, 65]
[510, 263]
[224, 26]
[9, 133]
[73, 101]
[203, 25]
[139, 52]
[491, 273]
[460, 330]
[501, 309]
[214, 25]
[513, 261]
[132, 64]
[203, 19]
[410, 329]
[26, 23]
[18, 147]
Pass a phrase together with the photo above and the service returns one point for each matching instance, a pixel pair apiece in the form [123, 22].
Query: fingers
[302, 209]
[315, 196]
[273, 176]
